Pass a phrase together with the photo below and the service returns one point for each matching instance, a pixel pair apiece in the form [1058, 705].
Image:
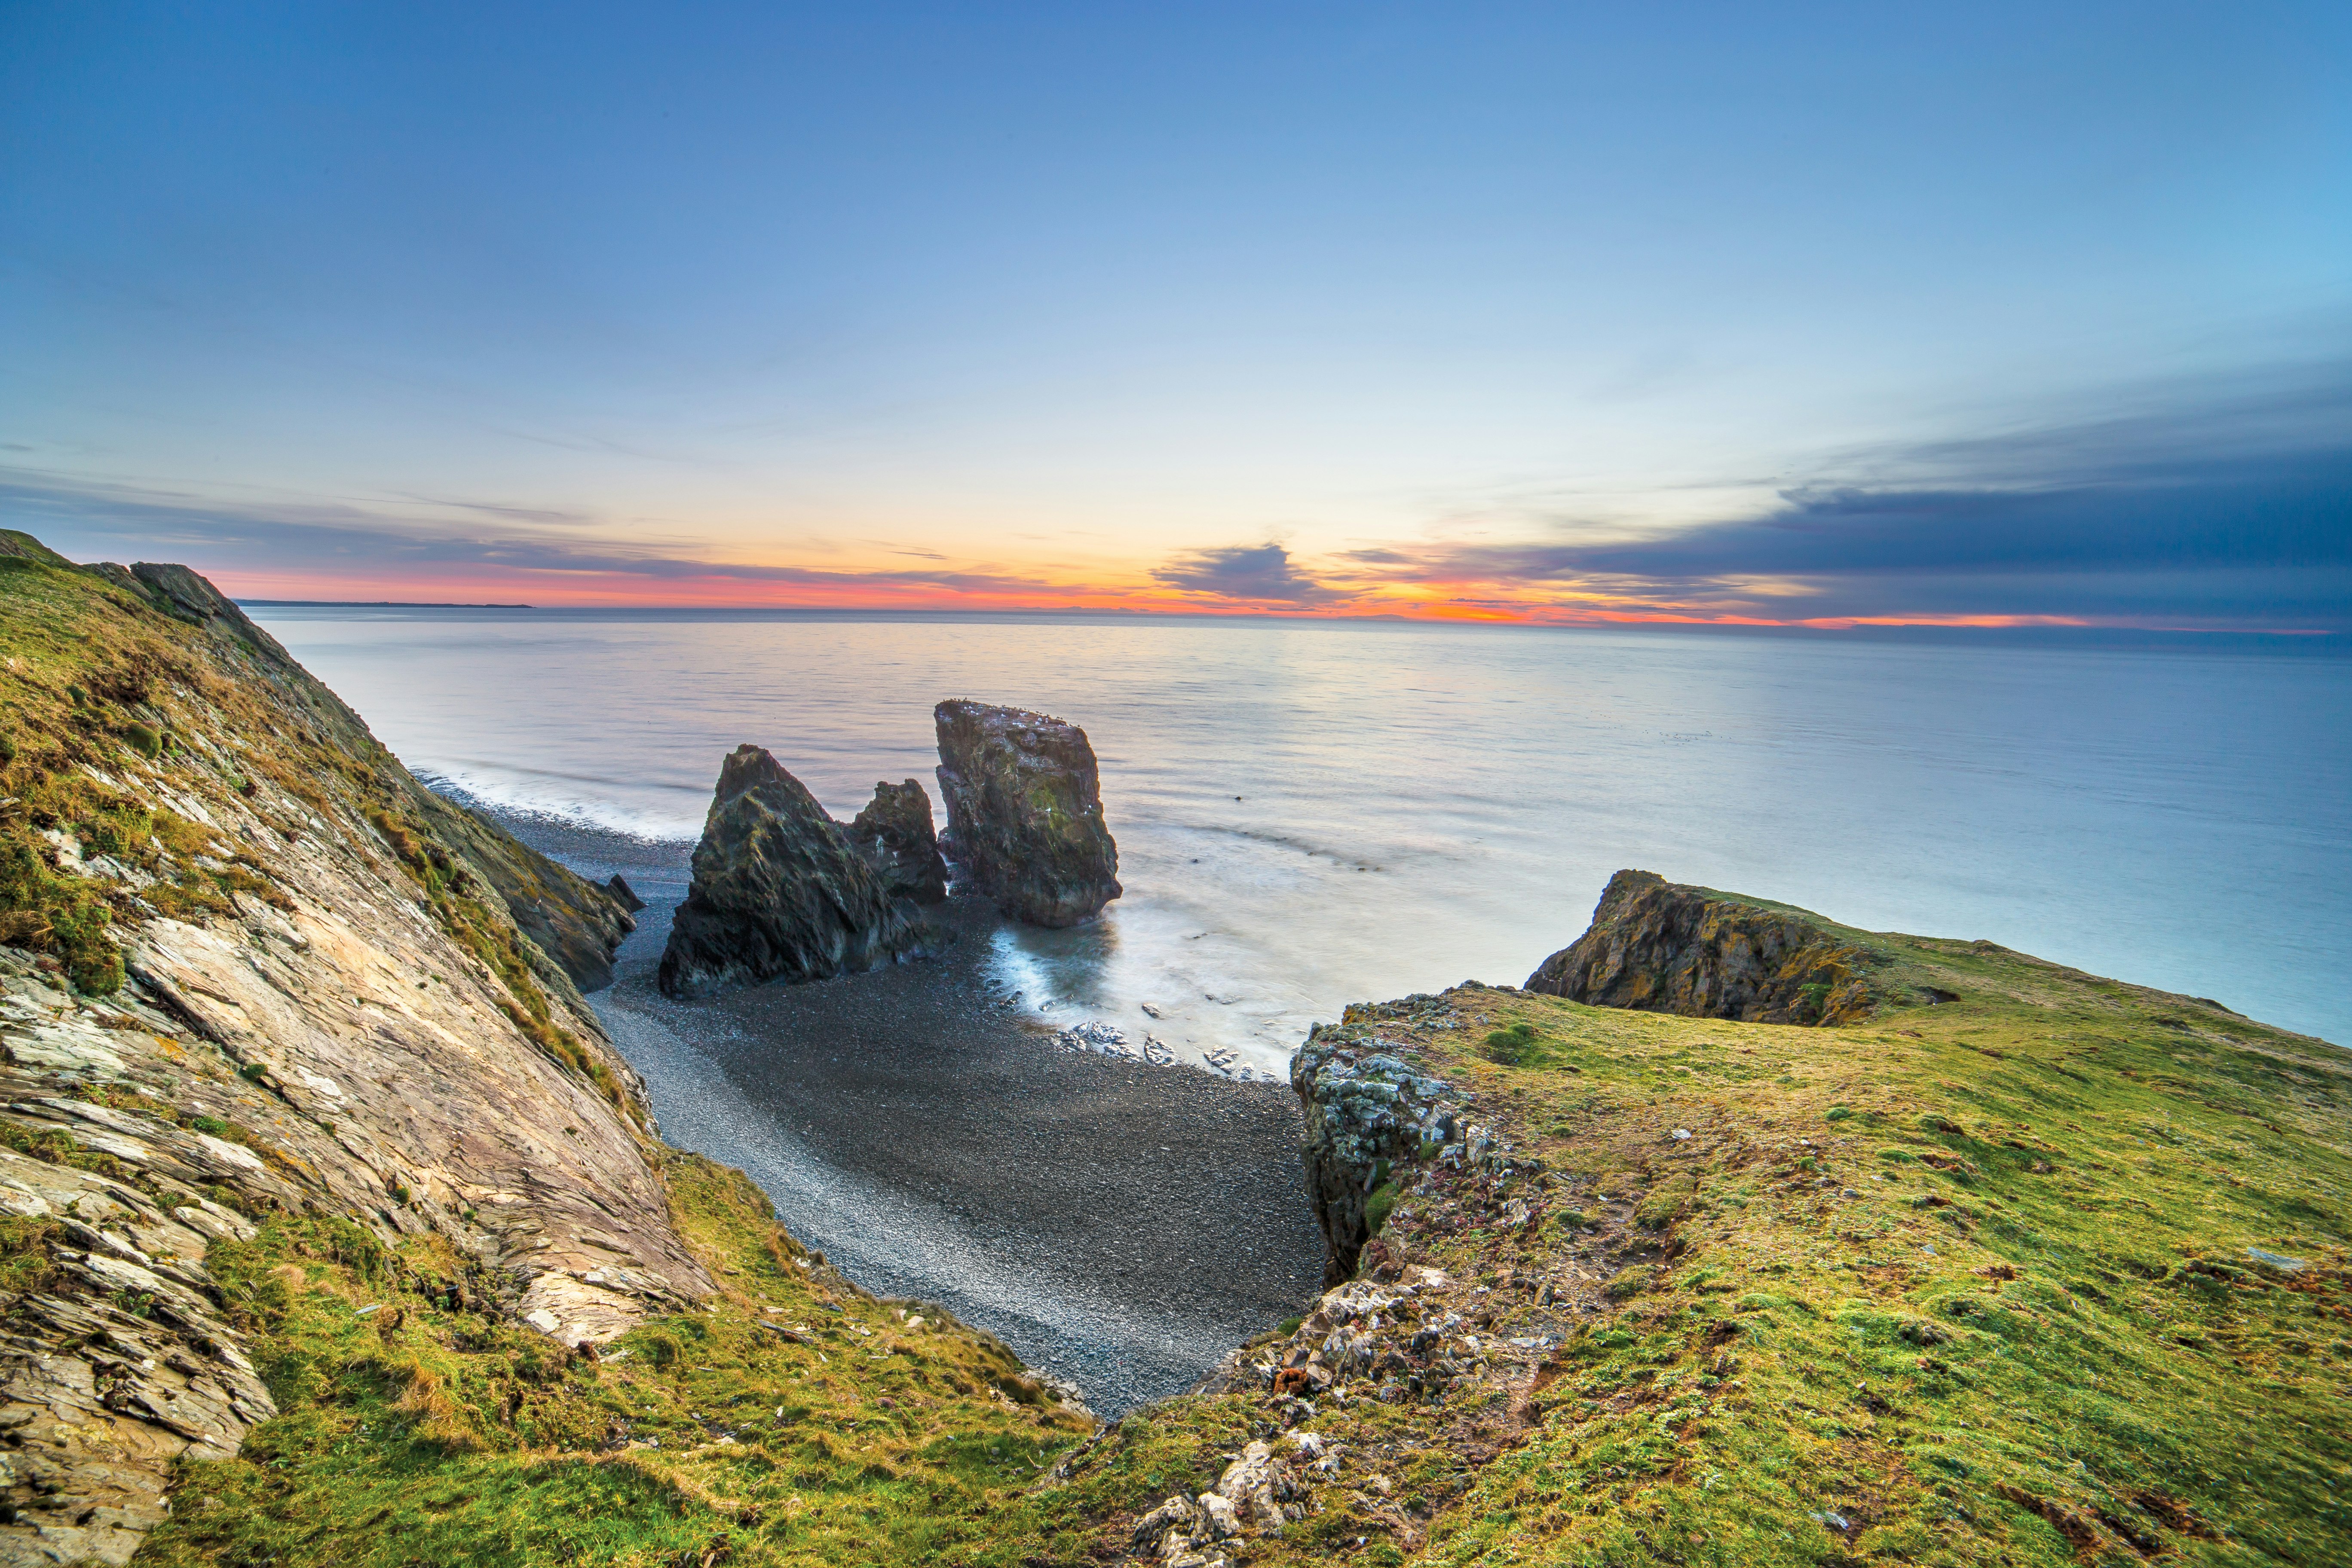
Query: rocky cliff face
[1370, 1109]
[1024, 812]
[779, 891]
[576, 922]
[1661, 947]
[247, 964]
[895, 831]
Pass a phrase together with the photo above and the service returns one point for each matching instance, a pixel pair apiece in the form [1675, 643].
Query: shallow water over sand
[1310, 814]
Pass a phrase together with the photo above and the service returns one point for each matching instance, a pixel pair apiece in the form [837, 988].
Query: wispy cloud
[345, 542]
[2223, 506]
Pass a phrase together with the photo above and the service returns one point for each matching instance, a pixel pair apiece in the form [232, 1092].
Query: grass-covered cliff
[2051, 1271]
[307, 1143]
[1976, 1282]
[278, 1045]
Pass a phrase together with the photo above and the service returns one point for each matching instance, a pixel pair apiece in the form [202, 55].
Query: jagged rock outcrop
[895, 831]
[1368, 1109]
[1024, 812]
[244, 970]
[1661, 947]
[577, 922]
[1255, 1494]
[779, 891]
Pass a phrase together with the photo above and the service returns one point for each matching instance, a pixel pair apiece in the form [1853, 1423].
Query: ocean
[1310, 812]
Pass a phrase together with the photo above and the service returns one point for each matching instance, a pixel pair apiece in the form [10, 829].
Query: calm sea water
[1311, 814]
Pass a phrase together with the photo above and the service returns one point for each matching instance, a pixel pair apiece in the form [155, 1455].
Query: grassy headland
[2051, 1271]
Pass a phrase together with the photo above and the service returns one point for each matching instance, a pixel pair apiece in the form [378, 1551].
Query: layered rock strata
[895, 831]
[1661, 947]
[1024, 812]
[779, 891]
[1370, 1110]
[244, 969]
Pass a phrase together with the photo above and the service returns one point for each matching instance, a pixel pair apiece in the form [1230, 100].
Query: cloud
[1259, 574]
[2235, 511]
[2225, 505]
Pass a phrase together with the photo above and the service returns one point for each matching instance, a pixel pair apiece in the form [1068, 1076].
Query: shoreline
[1117, 1224]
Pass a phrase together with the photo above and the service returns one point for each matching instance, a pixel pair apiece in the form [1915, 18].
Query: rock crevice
[1369, 1110]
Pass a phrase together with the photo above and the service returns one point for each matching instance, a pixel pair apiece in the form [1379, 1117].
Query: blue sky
[1799, 313]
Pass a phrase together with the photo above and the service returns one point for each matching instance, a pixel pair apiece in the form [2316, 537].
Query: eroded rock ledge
[576, 922]
[1369, 1108]
[1663, 947]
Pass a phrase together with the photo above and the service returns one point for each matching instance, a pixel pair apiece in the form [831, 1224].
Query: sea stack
[895, 831]
[1661, 947]
[1024, 812]
[779, 891]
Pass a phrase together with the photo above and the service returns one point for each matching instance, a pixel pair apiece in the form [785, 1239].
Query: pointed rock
[778, 890]
[1024, 812]
[895, 831]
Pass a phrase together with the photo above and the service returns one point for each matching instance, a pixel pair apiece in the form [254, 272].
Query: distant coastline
[367, 605]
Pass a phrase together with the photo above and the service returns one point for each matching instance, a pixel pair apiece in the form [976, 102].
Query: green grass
[1984, 1281]
[1512, 1047]
[1974, 1278]
[430, 1431]
[1960, 1284]
[93, 680]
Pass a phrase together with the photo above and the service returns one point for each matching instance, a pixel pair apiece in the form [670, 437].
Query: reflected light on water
[1313, 814]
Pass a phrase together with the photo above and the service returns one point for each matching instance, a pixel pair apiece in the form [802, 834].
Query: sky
[1800, 315]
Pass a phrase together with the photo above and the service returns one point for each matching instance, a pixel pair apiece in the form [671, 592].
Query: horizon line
[1606, 621]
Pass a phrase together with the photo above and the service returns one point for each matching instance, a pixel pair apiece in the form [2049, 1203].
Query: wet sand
[1119, 1224]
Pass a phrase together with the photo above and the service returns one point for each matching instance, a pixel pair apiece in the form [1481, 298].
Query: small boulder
[895, 831]
[778, 890]
[1024, 812]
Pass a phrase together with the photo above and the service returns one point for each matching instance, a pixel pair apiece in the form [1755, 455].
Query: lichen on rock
[1661, 947]
[778, 890]
[1024, 812]
[1368, 1109]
